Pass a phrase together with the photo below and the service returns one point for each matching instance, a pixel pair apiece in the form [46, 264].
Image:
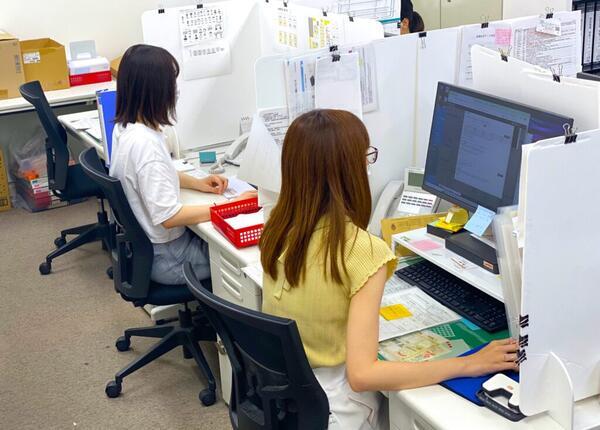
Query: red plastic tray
[242, 237]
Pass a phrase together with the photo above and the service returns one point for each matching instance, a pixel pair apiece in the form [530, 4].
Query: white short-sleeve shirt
[141, 161]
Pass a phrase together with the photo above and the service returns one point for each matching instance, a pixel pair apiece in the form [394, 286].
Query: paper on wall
[337, 83]
[497, 35]
[204, 47]
[287, 27]
[559, 53]
[424, 312]
[368, 76]
[324, 31]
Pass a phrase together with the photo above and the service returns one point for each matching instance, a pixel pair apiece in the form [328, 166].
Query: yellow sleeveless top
[319, 305]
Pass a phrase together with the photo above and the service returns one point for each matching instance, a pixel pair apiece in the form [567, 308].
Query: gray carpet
[57, 336]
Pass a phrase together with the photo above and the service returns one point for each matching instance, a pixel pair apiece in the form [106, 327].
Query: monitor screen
[474, 154]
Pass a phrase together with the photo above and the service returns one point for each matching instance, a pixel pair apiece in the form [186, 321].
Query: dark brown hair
[324, 174]
[147, 87]
[416, 24]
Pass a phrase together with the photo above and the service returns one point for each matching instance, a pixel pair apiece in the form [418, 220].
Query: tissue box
[89, 71]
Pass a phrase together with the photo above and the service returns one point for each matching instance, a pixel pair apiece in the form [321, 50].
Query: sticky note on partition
[394, 312]
[480, 221]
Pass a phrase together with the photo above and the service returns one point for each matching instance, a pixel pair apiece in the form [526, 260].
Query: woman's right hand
[497, 356]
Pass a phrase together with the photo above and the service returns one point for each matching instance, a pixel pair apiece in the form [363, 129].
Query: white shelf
[69, 96]
[473, 274]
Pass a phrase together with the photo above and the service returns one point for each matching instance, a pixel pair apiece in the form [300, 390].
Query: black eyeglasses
[372, 154]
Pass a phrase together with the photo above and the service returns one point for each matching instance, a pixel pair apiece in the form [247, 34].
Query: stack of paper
[246, 220]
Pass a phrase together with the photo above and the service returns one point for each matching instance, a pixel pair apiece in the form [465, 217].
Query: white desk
[69, 96]
[425, 408]
[87, 139]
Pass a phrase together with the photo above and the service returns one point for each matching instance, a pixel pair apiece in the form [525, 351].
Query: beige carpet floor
[57, 336]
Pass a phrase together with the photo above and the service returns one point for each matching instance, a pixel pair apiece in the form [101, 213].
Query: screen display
[474, 154]
[415, 179]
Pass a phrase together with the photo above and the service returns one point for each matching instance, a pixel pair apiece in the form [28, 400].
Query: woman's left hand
[212, 184]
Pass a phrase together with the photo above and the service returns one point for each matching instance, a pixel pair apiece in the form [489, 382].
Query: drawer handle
[221, 347]
[231, 286]
[230, 266]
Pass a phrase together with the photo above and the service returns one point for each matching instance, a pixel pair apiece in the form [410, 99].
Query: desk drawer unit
[402, 417]
[230, 283]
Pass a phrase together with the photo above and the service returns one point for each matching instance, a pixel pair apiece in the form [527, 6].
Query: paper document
[300, 84]
[337, 83]
[204, 47]
[246, 220]
[287, 27]
[86, 123]
[95, 132]
[236, 187]
[368, 76]
[560, 53]
[277, 121]
[262, 159]
[324, 31]
[480, 221]
[495, 36]
[183, 165]
[421, 312]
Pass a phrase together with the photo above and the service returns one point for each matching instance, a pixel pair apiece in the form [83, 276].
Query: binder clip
[351, 18]
[485, 24]
[335, 57]
[333, 48]
[504, 54]
[570, 134]
[199, 5]
[549, 12]
[324, 12]
[497, 387]
[485, 21]
[556, 75]
[161, 8]
[524, 319]
[422, 36]
[285, 4]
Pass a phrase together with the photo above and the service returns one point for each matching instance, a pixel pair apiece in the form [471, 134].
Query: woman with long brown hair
[324, 270]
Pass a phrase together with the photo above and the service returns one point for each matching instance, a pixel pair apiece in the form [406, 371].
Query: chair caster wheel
[60, 241]
[109, 272]
[208, 397]
[45, 267]
[113, 389]
[122, 344]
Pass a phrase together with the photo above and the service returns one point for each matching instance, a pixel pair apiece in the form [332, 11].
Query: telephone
[403, 198]
[232, 154]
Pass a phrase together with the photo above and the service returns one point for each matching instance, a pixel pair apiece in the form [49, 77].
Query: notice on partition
[287, 27]
[300, 84]
[495, 36]
[277, 121]
[368, 76]
[323, 32]
[410, 310]
[205, 48]
[338, 83]
[558, 52]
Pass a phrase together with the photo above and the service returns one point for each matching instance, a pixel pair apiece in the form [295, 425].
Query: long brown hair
[324, 174]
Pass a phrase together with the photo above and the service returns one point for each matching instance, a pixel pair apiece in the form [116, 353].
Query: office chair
[273, 385]
[132, 258]
[66, 182]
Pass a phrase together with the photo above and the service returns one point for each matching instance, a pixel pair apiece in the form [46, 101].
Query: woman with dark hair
[325, 271]
[146, 100]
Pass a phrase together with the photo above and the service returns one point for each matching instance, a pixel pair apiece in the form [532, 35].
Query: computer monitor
[474, 154]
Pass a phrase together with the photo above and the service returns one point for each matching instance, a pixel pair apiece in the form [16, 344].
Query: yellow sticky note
[394, 312]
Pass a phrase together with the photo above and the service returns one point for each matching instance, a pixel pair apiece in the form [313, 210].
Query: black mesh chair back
[57, 151]
[273, 385]
[132, 258]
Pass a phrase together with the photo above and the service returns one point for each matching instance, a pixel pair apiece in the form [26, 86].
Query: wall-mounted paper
[338, 83]
[324, 31]
[205, 49]
[300, 84]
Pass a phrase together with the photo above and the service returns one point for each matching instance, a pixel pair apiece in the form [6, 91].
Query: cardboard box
[45, 60]
[114, 66]
[11, 66]
[4, 190]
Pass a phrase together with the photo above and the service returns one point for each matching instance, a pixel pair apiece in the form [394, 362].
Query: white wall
[113, 24]
[519, 8]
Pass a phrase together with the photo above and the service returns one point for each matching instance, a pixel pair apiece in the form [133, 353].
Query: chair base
[186, 334]
[85, 234]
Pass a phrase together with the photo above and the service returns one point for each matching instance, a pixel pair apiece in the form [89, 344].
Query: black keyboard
[460, 296]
